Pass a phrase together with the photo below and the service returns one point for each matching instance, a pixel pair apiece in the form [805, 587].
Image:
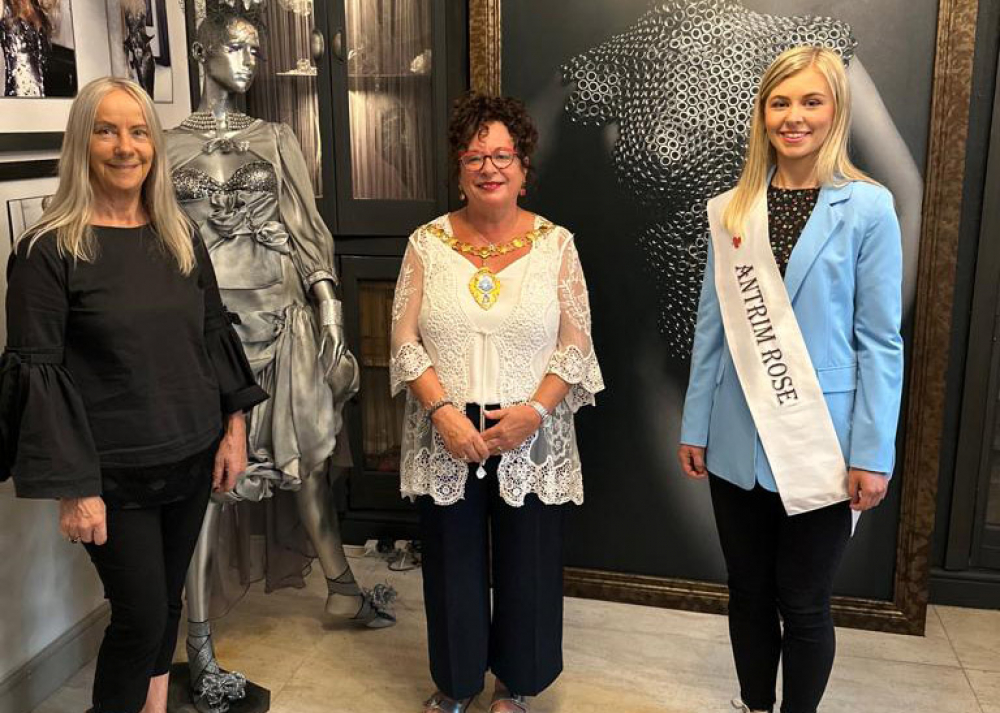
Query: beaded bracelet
[440, 403]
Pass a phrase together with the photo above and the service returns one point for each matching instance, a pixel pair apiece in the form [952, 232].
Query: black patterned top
[788, 210]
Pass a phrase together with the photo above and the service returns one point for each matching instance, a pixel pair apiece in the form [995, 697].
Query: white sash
[773, 365]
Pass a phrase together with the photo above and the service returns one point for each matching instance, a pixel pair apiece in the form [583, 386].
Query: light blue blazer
[844, 279]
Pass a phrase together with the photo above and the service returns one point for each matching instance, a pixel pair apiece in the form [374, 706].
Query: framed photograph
[643, 109]
[37, 123]
[139, 44]
[45, 66]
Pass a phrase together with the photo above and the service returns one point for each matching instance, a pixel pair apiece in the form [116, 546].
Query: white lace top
[546, 330]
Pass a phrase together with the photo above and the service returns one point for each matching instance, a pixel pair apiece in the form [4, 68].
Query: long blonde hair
[69, 212]
[833, 165]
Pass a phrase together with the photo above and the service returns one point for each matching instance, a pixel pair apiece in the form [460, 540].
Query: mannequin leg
[319, 516]
[210, 687]
[346, 599]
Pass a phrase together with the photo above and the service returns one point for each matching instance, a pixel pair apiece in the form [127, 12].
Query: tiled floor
[618, 658]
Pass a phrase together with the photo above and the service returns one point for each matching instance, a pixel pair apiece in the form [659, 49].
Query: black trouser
[522, 641]
[143, 566]
[781, 569]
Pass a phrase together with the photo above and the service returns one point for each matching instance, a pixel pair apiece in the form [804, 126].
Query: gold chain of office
[485, 284]
[485, 252]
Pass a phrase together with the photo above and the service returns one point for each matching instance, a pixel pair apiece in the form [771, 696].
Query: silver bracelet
[539, 409]
[331, 313]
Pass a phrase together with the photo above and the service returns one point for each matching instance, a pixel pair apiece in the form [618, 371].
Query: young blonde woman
[124, 385]
[796, 374]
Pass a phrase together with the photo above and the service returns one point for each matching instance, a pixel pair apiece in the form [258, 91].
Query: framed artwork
[38, 55]
[36, 123]
[139, 44]
[643, 109]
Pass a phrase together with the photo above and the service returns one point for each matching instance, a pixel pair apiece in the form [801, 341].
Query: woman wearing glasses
[491, 339]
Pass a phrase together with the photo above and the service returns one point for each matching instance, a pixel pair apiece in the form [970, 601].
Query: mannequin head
[228, 47]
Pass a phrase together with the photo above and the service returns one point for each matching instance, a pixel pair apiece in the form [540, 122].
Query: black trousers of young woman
[781, 571]
[143, 566]
[522, 548]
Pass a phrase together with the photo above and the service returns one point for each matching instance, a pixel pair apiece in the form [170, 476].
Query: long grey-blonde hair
[70, 211]
[833, 164]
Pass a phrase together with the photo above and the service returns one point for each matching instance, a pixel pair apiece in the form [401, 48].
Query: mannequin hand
[83, 519]
[231, 457]
[867, 489]
[333, 344]
[514, 425]
[459, 434]
[692, 460]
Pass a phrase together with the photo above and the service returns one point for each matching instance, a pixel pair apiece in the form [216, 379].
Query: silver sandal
[501, 694]
[440, 703]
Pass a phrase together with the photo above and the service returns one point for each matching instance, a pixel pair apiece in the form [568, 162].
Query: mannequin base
[258, 700]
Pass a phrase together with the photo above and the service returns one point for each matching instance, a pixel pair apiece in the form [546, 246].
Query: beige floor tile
[986, 684]
[974, 634]
[933, 648]
[617, 657]
[859, 685]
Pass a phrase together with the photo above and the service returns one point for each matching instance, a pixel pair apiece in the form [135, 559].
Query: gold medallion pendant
[485, 287]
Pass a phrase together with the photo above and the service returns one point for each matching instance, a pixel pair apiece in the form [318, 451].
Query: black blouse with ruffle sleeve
[115, 368]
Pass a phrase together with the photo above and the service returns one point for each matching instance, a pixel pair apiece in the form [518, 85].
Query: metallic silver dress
[269, 245]
[680, 85]
[25, 54]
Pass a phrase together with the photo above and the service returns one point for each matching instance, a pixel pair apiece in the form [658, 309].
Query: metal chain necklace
[485, 284]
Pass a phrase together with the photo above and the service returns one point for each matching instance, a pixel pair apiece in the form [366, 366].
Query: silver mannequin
[228, 48]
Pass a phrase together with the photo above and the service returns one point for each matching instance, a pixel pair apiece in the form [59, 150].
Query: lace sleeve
[574, 360]
[407, 359]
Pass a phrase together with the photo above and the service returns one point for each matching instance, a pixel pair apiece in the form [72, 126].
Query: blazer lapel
[825, 220]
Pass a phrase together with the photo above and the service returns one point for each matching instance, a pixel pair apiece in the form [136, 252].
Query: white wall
[47, 585]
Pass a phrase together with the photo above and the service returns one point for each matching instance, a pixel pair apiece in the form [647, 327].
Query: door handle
[338, 45]
[317, 45]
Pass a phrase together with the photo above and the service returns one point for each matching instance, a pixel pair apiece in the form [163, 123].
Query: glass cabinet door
[389, 92]
[285, 88]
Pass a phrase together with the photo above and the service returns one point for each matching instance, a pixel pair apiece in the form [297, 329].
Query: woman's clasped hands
[514, 425]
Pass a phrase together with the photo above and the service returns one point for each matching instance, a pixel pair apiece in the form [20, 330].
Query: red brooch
[736, 241]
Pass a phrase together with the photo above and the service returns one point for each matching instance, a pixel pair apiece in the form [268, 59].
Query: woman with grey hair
[124, 385]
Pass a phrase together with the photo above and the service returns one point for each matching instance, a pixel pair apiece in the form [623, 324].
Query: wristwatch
[539, 409]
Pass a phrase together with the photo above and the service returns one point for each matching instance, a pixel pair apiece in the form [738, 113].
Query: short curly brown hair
[473, 111]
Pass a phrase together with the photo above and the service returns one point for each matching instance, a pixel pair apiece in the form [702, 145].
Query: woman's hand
[514, 425]
[231, 458]
[83, 520]
[459, 434]
[867, 489]
[692, 460]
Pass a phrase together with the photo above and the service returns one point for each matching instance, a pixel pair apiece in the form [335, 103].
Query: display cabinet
[374, 507]
[389, 91]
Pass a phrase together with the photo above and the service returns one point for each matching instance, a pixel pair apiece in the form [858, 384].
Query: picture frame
[922, 419]
[38, 124]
